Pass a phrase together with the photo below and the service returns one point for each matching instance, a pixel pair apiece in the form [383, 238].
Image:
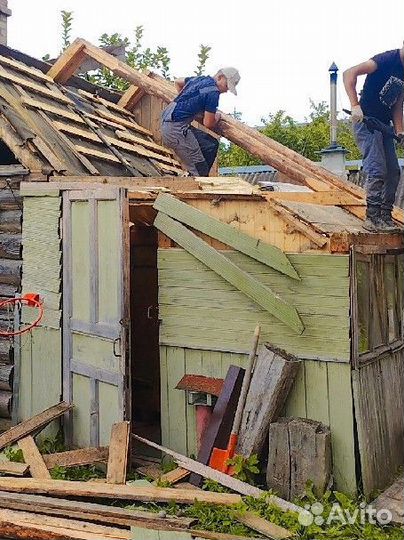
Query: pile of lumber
[35, 506]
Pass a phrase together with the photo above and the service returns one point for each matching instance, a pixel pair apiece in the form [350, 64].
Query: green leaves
[67, 23]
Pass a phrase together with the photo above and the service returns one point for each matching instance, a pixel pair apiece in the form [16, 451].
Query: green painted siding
[40, 384]
[322, 391]
[200, 310]
[41, 251]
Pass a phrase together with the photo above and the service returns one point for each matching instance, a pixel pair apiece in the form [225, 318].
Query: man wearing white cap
[198, 99]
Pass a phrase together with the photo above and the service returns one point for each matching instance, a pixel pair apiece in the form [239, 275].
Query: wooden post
[299, 451]
[271, 382]
[118, 453]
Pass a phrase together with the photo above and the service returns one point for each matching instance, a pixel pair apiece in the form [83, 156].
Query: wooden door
[95, 306]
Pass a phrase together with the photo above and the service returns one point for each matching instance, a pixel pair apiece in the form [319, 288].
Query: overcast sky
[282, 48]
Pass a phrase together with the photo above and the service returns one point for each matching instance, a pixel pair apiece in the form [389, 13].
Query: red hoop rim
[28, 300]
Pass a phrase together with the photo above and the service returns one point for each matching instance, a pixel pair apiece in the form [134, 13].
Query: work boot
[372, 224]
[387, 224]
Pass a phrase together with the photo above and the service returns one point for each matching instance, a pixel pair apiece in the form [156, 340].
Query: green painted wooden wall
[40, 384]
[199, 309]
[207, 325]
[322, 391]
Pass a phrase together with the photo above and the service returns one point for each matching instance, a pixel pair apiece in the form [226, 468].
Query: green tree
[67, 24]
[306, 138]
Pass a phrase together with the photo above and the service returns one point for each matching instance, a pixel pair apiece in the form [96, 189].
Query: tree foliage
[307, 138]
[67, 24]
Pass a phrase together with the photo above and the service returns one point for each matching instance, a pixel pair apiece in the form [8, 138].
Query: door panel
[95, 230]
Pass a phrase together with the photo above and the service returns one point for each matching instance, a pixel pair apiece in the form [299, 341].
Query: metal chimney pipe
[333, 104]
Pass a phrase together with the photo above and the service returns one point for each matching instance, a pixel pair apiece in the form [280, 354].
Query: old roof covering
[55, 129]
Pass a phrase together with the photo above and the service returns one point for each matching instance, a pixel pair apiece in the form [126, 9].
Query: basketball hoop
[29, 300]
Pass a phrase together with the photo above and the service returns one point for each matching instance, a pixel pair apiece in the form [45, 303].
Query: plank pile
[39, 507]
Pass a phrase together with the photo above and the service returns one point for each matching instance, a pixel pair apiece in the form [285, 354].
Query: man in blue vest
[198, 99]
[382, 98]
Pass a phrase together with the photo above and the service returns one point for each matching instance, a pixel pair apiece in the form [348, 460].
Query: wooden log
[273, 376]
[91, 511]
[10, 245]
[34, 424]
[10, 271]
[218, 431]
[6, 399]
[13, 468]
[6, 377]
[118, 453]
[76, 458]
[33, 458]
[305, 449]
[63, 488]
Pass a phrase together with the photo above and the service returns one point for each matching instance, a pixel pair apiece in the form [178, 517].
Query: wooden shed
[146, 278]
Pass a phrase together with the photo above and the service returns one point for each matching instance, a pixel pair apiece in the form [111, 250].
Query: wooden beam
[131, 97]
[101, 513]
[264, 253]
[242, 281]
[19, 149]
[98, 154]
[33, 458]
[325, 198]
[174, 476]
[64, 488]
[76, 458]
[118, 453]
[68, 62]
[34, 424]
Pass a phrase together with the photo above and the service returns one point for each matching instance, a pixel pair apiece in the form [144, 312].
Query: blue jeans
[380, 164]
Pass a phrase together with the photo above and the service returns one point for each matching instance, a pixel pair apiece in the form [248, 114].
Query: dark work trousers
[380, 164]
[195, 148]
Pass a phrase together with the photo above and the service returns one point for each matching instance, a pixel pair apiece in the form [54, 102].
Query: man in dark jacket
[198, 99]
[382, 97]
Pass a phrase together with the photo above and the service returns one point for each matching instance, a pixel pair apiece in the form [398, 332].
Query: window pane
[362, 272]
[378, 303]
[390, 286]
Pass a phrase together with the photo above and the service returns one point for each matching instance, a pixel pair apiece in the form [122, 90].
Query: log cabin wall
[10, 278]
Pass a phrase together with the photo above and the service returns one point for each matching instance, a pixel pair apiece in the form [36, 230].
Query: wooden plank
[130, 97]
[68, 63]
[76, 458]
[263, 526]
[224, 479]
[23, 68]
[33, 458]
[130, 124]
[58, 111]
[129, 137]
[96, 154]
[23, 152]
[325, 198]
[174, 476]
[265, 253]
[73, 528]
[101, 513]
[63, 488]
[37, 88]
[118, 453]
[230, 272]
[13, 468]
[34, 424]
[273, 376]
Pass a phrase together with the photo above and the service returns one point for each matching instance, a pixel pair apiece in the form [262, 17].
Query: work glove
[356, 114]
